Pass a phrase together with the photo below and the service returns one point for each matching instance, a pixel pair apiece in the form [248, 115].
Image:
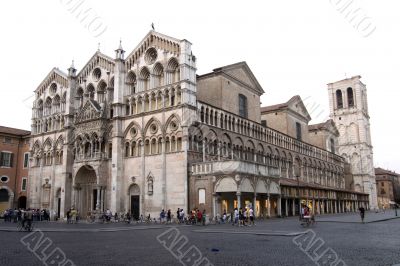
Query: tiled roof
[279, 106]
[380, 171]
[14, 131]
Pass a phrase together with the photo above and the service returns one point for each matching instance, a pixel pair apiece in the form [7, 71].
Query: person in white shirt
[236, 216]
[251, 214]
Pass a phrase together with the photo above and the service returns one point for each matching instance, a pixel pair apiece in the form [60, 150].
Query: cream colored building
[145, 133]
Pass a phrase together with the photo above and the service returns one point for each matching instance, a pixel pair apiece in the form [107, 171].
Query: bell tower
[349, 110]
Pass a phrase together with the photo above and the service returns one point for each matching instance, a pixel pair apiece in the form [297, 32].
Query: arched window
[79, 96]
[101, 91]
[90, 91]
[127, 149]
[173, 71]
[242, 106]
[47, 106]
[350, 97]
[339, 99]
[158, 72]
[145, 78]
[131, 82]
[150, 185]
[147, 147]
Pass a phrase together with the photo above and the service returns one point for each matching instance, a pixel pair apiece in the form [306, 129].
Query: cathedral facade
[143, 133]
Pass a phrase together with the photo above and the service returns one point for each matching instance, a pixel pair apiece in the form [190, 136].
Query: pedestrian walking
[251, 213]
[169, 218]
[362, 213]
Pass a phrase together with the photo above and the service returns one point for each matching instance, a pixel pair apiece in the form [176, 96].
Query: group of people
[242, 216]
[17, 215]
[72, 216]
[195, 216]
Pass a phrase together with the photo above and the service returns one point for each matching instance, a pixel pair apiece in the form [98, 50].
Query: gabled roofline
[97, 53]
[155, 33]
[285, 106]
[54, 70]
[324, 126]
[222, 71]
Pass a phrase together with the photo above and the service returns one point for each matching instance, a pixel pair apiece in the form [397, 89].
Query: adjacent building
[387, 188]
[14, 165]
[144, 133]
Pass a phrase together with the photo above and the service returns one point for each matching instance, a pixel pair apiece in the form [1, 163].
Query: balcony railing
[234, 167]
[90, 157]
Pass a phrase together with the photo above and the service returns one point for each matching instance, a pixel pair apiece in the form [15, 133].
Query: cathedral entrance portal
[85, 185]
[134, 193]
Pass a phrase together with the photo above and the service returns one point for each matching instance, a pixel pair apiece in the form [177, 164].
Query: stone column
[254, 204]
[269, 206]
[219, 150]
[286, 207]
[98, 189]
[279, 207]
[204, 150]
[101, 198]
[214, 205]
[314, 207]
[294, 207]
[238, 199]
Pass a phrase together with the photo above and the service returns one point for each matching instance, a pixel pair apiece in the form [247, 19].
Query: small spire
[98, 47]
[120, 44]
[71, 69]
[152, 26]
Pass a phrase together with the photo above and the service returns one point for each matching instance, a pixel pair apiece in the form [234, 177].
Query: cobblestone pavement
[271, 242]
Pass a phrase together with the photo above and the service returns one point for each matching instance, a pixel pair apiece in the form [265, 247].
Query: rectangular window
[298, 131]
[6, 159]
[24, 183]
[202, 196]
[26, 160]
[264, 123]
[7, 140]
[242, 106]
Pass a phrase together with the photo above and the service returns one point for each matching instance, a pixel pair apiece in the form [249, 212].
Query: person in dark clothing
[362, 213]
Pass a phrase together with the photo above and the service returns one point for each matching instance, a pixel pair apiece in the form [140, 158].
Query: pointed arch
[59, 141]
[131, 125]
[48, 142]
[172, 118]
[350, 97]
[149, 123]
[339, 99]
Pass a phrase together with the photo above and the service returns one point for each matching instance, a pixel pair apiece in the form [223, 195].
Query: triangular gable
[98, 59]
[153, 39]
[54, 75]
[331, 126]
[240, 72]
[296, 104]
[91, 110]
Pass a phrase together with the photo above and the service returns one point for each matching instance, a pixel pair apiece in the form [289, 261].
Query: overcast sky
[292, 47]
